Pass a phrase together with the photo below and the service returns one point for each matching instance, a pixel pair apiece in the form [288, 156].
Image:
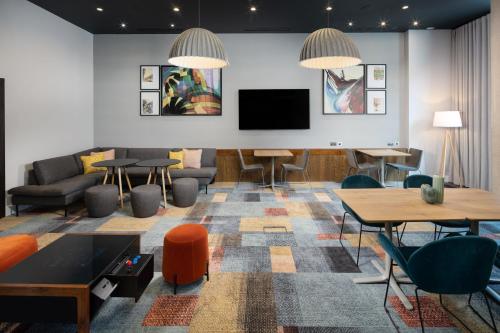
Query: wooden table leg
[106, 176]
[149, 177]
[83, 311]
[113, 176]
[128, 179]
[169, 179]
[163, 185]
[120, 186]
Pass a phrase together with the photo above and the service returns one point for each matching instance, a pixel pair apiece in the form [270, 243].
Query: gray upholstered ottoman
[145, 200]
[101, 200]
[185, 191]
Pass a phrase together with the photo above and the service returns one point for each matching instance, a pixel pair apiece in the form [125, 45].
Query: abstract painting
[344, 90]
[376, 77]
[150, 103]
[375, 102]
[150, 77]
[191, 92]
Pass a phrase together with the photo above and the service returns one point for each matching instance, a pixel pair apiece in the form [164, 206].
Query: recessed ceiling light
[99, 9]
[350, 24]
[123, 25]
[172, 25]
[253, 9]
[405, 7]
[176, 9]
[430, 28]
[383, 23]
[415, 23]
[329, 8]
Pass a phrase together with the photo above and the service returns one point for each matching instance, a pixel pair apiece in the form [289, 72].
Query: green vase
[438, 185]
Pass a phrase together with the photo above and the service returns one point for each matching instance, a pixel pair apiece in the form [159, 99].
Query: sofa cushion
[208, 157]
[60, 188]
[193, 173]
[55, 169]
[83, 153]
[138, 171]
[147, 153]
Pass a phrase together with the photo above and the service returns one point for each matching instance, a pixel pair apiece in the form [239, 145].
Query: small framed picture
[375, 102]
[150, 103]
[376, 77]
[150, 77]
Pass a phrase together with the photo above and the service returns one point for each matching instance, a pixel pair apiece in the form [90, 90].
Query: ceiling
[286, 16]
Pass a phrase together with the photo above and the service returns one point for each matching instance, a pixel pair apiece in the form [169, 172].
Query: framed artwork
[150, 77]
[150, 103]
[191, 92]
[376, 102]
[344, 90]
[376, 77]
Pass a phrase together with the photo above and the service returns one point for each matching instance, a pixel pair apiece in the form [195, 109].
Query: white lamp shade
[198, 48]
[447, 119]
[328, 49]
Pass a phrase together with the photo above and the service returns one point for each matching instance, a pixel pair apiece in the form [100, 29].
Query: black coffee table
[119, 165]
[163, 164]
[54, 284]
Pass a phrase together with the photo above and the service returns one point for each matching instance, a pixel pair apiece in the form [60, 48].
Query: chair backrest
[352, 161]
[360, 181]
[415, 158]
[454, 265]
[416, 181]
[242, 161]
[305, 159]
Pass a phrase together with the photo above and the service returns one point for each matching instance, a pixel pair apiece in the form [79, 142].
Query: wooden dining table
[380, 155]
[272, 153]
[391, 205]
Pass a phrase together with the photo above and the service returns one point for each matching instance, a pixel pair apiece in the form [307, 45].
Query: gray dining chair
[299, 167]
[412, 163]
[246, 168]
[354, 165]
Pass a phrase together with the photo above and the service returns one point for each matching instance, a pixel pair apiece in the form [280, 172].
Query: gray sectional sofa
[60, 181]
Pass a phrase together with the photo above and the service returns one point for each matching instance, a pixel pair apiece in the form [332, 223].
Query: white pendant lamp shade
[198, 48]
[329, 48]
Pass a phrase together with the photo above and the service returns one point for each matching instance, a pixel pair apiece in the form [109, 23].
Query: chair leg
[397, 236]
[439, 233]
[281, 175]
[388, 283]
[489, 310]
[435, 231]
[262, 174]
[419, 311]
[206, 189]
[402, 233]
[308, 178]
[239, 179]
[359, 243]
[17, 210]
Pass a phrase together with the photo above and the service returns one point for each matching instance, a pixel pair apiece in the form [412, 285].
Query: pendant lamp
[198, 48]
[329, 48]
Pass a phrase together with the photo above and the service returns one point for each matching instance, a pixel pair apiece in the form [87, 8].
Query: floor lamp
[449, 120]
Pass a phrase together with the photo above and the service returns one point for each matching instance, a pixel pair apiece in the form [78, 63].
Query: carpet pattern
[277, 264]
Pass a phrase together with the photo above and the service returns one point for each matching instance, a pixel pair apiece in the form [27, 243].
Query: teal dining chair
[446, 266]
[416, 181]
[360, 182]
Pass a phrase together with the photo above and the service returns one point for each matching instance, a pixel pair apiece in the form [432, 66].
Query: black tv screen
[274, 109]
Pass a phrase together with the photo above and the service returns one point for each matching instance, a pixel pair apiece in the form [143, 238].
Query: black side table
[163, 164]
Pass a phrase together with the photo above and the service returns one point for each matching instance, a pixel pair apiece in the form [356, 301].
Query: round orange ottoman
[185, 254]
[16, 248]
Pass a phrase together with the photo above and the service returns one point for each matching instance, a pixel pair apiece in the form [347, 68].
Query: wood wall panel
[324, 165]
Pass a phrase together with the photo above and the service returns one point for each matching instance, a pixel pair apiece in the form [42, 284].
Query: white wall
[47, 64]
[257, 61]
[429, 90]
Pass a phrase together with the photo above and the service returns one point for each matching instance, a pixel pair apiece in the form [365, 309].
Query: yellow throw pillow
[176, 155]
[89, 160]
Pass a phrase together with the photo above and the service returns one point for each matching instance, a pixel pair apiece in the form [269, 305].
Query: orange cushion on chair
[14, 249]
[185, 254]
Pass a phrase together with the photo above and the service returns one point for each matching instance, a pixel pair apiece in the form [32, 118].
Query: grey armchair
[300, 167]
[246, 168]
[354, 165]
[412, 163]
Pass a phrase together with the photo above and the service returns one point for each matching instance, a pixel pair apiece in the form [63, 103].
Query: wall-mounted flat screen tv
[274, 109]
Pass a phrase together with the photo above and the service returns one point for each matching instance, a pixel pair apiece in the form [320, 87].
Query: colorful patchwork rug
[277, 265]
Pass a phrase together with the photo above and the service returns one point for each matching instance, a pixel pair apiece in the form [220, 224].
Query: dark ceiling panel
[234, 16]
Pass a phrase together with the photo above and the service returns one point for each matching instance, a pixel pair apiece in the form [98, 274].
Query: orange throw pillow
[192, 158]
